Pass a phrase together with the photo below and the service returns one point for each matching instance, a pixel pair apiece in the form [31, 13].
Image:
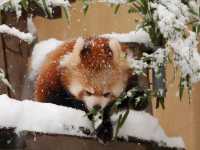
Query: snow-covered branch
[27, 37]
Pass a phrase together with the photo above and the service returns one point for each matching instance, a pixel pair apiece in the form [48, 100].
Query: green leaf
[46, 8]
[123, 119]
[85, 6]
[92, 112]
[120, 122]
[132, 10]
[41, 6]
[5, 81]
[117, 128]
[24, 4]
[66, 13]
[130, 1]
[160, 101]
[117, 8]
[189, 86]
[181, 87]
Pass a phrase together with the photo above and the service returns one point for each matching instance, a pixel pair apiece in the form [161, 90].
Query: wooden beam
[39, 141]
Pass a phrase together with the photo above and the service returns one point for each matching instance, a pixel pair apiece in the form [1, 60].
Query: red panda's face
[97, 72]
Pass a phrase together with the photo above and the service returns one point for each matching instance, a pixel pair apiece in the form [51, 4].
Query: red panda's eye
[107, 94]
[88, 93]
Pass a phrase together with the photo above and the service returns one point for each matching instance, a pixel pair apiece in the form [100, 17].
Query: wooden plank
[39, 141]
[17, 53]
[3, 88]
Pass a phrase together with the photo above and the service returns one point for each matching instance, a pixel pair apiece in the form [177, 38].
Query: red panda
[93, 70]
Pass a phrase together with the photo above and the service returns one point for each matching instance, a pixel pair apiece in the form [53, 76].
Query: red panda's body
[93, 70]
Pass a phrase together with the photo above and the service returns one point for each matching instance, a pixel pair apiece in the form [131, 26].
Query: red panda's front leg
[48, 81]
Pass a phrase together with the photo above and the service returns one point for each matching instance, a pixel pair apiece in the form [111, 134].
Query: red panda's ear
[78, 47]
[116, 49]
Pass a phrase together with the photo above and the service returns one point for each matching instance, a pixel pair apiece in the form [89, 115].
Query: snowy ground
[49, 118]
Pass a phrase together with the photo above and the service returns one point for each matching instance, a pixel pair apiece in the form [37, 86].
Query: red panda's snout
[96, 71]
[91, 96]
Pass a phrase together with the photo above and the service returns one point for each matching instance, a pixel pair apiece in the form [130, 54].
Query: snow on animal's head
[96, 71]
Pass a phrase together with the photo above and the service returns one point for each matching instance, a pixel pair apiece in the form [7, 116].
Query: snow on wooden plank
[28, 37]
[43, 117]
[139, 36]
[52, 119]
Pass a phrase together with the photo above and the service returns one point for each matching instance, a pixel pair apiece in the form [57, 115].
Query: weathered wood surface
[15, 53]
[37, 141]
[3, 88]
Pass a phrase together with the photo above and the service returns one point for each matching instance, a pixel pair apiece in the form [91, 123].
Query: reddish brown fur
[51, 78]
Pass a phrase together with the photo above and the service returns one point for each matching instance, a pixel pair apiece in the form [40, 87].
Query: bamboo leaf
[117, 8]
[85, 6]
[24, 4]
[5, 81]
[67, 15]
[46, 8]
[132, 10]
[123, 119]
[120, 122]
[181, 87]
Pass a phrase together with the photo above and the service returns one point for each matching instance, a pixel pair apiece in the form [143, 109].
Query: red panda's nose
[97, 107]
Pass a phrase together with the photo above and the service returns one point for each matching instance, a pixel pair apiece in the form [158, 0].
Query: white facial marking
[75, 88]
[91, 101]
[65, 60]
[116, 49]
[75, 59]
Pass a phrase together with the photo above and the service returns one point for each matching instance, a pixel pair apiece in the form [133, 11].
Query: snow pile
[27, 37]
[144, 126]
[40, 51]
[139, 36]
[40, 117]
[49, 118]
